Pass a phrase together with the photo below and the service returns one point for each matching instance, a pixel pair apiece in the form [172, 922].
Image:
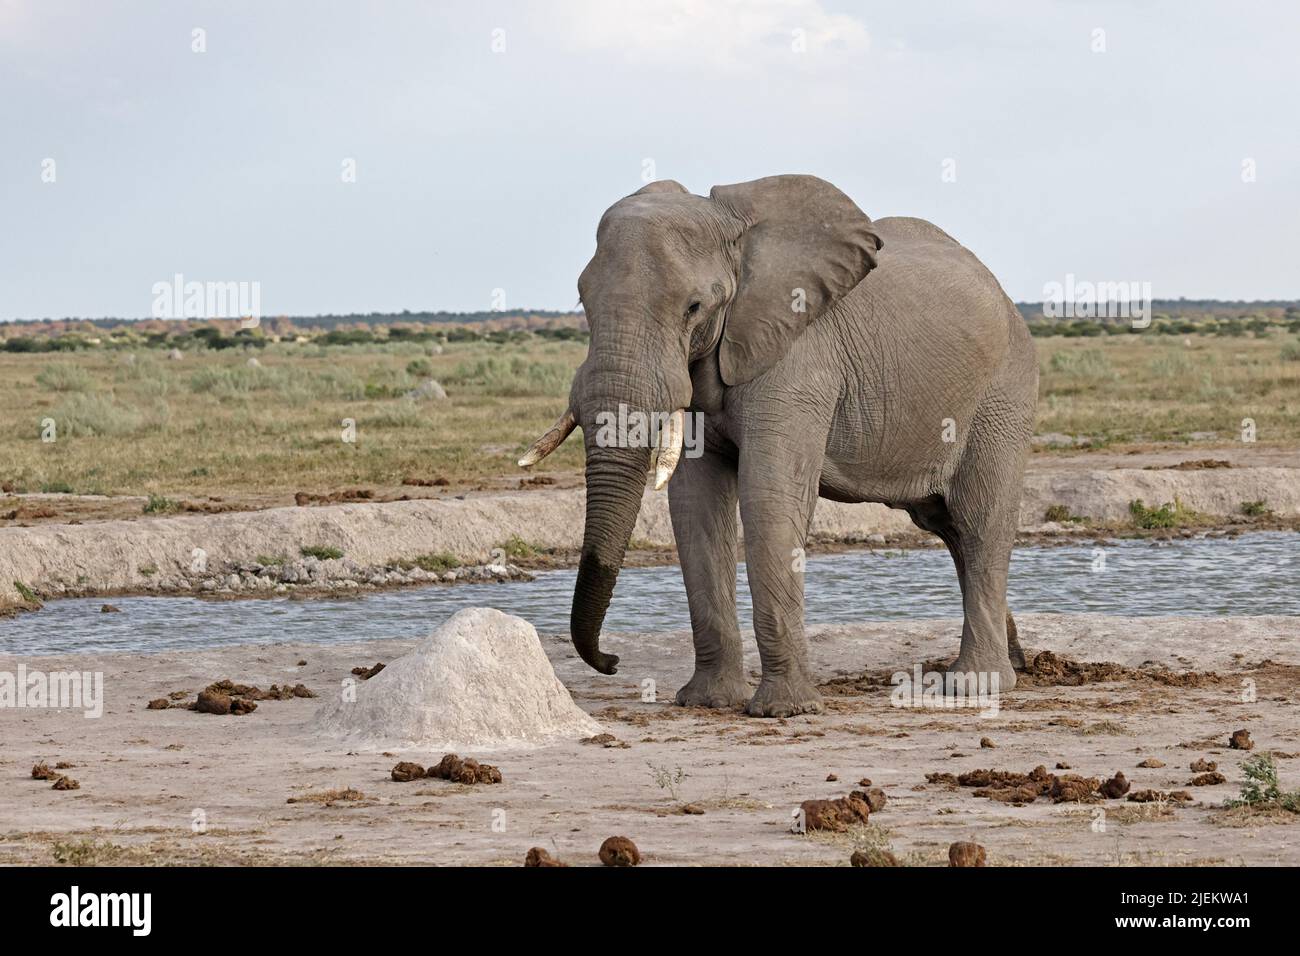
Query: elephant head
[675, 278]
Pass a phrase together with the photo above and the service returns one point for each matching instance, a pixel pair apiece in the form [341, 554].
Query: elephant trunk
[616, 479]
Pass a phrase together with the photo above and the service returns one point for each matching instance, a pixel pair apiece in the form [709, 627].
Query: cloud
[690, 34]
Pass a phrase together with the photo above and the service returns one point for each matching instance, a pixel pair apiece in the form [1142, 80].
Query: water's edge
[1253, 574]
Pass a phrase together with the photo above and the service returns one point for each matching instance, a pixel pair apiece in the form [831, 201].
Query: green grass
[1061, 514]
[270, 562]
[1255, 509]
[517, 548]
[64, 378]
[436, 563]
[27, 593]
[210, 424]
[1169, 515]
[160, 505]
[322, 551]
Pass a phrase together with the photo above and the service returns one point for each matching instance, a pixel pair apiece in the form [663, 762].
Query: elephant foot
[984, 671]
[708, 688]
[784, 697]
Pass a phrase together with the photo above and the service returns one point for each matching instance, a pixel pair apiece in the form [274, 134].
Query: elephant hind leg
[933, 515]
[984, 507]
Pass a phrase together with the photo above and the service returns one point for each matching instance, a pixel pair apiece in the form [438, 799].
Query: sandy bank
[147, 776]
[170, 554]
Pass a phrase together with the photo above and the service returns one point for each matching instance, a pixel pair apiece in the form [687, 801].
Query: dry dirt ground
[146, 776]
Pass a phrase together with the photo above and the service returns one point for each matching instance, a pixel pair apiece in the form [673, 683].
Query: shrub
[1060, 514]
[1261, 788]
[516, 547]
[324, 552]
[1255, 509]
[64, 378]
[1088, 363]
[96, 414]
[158, 505]
[436, 563]
[1169, 515]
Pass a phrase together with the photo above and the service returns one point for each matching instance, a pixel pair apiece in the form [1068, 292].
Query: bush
[63, 378]
[96, 414]
[436, 563]
[1166, 516]
[324, 552]
[1088, 363]
[159, 505]
[514, 377]
[1261, 788]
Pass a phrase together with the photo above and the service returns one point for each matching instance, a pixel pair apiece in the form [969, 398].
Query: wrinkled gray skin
[691, 305]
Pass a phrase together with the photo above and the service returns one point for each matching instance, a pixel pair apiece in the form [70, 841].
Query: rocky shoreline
[309, 577]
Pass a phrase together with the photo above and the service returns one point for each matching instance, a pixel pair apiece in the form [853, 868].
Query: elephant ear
[804, 246]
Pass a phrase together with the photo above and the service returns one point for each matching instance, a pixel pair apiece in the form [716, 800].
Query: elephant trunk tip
[602, 662]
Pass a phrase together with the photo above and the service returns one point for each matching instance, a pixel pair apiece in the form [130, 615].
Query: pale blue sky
[479, 170]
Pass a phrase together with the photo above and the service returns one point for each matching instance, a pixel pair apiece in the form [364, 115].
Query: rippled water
[1252, 574]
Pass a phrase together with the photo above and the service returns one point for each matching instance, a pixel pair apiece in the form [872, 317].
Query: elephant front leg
[702, 502]
[777, 495]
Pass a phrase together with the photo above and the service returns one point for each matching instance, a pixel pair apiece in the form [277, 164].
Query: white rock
[429, 389]
[480, 681]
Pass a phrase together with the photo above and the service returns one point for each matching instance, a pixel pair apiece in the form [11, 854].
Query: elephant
[830, 356]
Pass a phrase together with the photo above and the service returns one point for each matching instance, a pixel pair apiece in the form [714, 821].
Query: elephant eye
[692, 309]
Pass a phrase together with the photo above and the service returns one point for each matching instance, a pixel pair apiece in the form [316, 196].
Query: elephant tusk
[669, 451]
[550, 441]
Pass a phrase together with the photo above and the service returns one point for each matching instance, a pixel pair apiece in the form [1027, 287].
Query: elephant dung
[966, 854]
[836, 815]
[537, 856]
[619, 851]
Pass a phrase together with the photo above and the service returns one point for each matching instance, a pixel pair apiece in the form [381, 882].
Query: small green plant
[149, 570]
[1168, 515]
[27, 593]
[1255, 509]
[516, 547]
[1261, 789]
[269, 561]
[666, 779]
[63, 378]
[160, 505]
[419, 368]
[83, 852]
[436, 563]
[324, 552]
[56, 488]
[1061, 515]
